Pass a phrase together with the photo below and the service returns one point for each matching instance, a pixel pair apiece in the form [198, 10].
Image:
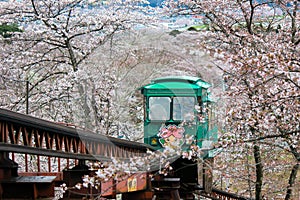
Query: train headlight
[154, 141]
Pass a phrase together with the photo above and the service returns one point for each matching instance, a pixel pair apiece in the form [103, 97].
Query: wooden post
[49, 164]
[38, 163]
[8, 168]
[200, 173]
[208, 174]
[26, 162]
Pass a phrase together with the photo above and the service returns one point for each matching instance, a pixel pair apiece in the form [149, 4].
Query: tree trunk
[293, 174]
[292, 179]
[85, 107]
[249, 173]
[259, 173]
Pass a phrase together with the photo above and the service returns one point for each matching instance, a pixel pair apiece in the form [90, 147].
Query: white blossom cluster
[153, 162]
[256, 44]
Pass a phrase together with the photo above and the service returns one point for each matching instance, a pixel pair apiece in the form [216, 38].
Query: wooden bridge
[66, 148]
[30, 136]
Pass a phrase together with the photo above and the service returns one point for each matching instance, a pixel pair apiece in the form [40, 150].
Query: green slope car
[178, 108]
[175, 107]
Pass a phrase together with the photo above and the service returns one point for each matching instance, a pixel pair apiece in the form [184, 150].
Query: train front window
[183, 108]
[159, 108]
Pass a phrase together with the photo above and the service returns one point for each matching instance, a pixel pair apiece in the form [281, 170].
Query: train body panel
[176, 107]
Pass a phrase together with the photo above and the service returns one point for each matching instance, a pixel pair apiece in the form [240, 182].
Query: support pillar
[166, 188]
[8, 168]
[74, 176]
[208, 174]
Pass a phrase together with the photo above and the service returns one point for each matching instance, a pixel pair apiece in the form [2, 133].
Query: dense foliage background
[81, 62]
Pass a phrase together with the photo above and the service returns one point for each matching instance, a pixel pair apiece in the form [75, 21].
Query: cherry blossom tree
[134, 58]
[79, 60]
[256, 43]
[57, 37]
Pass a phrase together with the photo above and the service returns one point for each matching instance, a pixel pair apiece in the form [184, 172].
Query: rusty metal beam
[52, 153]
[26, 134]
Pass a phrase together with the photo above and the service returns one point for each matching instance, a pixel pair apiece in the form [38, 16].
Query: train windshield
[159, 108]
[183, 108]
[176, 108]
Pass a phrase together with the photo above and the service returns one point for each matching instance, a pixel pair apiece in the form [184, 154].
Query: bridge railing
[25, 134]
[33, 149]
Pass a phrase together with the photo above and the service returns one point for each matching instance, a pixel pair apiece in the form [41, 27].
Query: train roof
[186, 79]
[176, 83]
